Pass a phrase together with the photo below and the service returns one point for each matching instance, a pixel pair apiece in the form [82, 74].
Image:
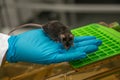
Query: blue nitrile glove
[36, 47]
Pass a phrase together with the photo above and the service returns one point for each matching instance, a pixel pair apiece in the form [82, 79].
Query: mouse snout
[67, 47]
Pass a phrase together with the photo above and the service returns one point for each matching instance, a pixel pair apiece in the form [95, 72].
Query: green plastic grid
[110, 46]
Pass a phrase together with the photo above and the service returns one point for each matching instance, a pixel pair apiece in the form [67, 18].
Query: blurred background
[74, 13]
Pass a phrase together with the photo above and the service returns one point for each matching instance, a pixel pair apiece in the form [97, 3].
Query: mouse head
[67, 40]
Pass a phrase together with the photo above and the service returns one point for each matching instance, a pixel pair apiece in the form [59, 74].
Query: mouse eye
[64, 39]
[70, 38]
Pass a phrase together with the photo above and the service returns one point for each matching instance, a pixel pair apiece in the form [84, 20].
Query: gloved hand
[36, 47]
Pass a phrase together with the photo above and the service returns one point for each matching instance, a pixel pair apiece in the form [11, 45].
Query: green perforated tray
[109, 47]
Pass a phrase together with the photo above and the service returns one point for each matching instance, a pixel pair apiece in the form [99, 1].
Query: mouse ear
[62, 36]
[71, 36]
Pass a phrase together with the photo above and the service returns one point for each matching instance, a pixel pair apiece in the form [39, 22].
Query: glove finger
[89, 48]
[75, 54]
[88, 42]
[69, 56]
[82, 38]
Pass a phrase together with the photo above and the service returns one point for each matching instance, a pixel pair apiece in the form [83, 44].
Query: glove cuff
[11, 50]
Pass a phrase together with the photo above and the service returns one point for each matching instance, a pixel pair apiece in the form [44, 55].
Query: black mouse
[56, 30]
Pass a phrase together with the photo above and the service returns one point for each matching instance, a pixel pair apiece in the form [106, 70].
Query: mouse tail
[26, 25]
